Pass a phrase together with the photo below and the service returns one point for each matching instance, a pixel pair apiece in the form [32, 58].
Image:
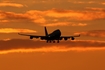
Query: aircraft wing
[32, 36]
[68, 37]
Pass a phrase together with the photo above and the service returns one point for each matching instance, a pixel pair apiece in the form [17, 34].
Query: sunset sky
[85, 17]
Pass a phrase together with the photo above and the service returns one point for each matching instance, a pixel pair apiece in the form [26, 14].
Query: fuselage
[55, 35]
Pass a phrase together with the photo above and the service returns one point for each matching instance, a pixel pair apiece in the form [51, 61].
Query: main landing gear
[58, 41]
[50, 41]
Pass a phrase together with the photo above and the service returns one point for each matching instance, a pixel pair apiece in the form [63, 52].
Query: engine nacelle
[72, 38]
[43, 38]
[31, 37]
[65, 38]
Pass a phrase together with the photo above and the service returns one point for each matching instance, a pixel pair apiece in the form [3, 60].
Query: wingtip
[19, 33]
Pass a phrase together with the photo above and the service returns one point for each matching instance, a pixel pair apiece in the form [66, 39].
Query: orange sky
[86, 17]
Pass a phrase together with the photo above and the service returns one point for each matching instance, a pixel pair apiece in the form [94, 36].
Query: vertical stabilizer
[46, 33]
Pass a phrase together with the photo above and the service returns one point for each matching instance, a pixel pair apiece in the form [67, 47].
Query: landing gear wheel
[50, 41]
[53, 41]
[47, 41]
[58, 41]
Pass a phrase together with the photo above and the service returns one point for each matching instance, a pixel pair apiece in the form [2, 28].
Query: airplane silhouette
[55, 35]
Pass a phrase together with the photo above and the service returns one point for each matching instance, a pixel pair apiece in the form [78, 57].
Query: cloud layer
[94, 33]
[11, 5]
[12, 30]
[15, 44]
[54, 17]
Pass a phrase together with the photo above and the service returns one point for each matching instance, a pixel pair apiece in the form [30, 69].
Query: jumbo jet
[52, 37]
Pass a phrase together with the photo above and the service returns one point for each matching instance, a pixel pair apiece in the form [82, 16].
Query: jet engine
[65, 38]
[42, 38]
[72, 38]
[31, 37]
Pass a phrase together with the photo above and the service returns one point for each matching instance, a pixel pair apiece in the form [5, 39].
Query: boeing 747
[52, 37]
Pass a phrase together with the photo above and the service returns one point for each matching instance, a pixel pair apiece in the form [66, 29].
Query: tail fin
[46, 33]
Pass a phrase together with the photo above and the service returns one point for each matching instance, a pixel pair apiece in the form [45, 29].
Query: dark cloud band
[32, 44]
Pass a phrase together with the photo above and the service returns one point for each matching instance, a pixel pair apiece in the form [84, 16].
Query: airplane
[52, 37]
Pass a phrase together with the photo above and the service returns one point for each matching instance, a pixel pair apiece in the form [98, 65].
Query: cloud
[12, 30]
[95, 9]
[47, 17]
[11, 5]
[12, 15]
[4, 21]
[32, 45]
[76, 15]
[58, 24]
[65, 24]
[103, 3]
[87, 2]
[83, 2]
[94, 33]
[79, 24]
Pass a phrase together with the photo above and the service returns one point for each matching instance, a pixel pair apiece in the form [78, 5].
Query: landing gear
[49, 41]
[58, 41]
[53, 41]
